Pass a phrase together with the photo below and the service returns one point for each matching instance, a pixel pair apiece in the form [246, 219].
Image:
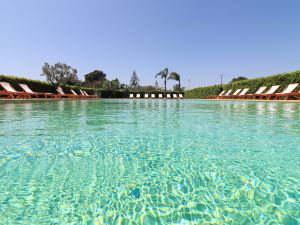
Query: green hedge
[40, 86]
[283, 80]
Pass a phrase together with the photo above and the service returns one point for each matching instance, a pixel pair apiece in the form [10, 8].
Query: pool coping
[230, 100]
[244, 100]
[5, 101]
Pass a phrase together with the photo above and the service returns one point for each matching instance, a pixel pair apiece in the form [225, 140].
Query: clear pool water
[149, 162]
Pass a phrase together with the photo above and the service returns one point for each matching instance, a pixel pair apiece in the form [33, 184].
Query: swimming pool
[150, 162]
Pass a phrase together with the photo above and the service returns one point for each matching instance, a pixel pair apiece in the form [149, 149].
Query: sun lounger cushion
[7, 87]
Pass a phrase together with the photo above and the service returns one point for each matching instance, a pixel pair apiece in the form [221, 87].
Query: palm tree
[175, 76]
[163, 74]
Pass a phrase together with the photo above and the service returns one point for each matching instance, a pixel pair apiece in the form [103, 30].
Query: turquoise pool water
[149, 162]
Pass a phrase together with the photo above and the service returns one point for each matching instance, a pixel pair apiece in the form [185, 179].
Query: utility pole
[221, 76]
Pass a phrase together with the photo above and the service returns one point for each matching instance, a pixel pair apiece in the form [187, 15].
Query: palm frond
[174, 76]
[159, 74]
[163, 73]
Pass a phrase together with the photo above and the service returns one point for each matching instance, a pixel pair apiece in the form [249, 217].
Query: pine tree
[134, 80]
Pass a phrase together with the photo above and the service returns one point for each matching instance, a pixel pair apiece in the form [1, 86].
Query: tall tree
[95, 76]
[163, 74]
[134, 80]
[105, 85]
[174, 76]
[123, 86]
[71, 80]
[238, 79]
[59, 74]
[115, 84]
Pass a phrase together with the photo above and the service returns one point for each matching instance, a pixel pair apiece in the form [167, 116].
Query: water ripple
[150, 162]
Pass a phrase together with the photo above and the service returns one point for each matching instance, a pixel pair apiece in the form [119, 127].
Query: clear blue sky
[199, 39]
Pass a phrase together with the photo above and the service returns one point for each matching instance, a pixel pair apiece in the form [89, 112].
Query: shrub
[283, 80]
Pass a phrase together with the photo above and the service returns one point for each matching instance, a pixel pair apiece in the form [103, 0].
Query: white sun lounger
[268, 94]
[227, 94]
[10, 92]
[160, 96]
[216, 96]
[82, 94]
[242, 94]
[168, 96]
[63, 94]
[130, 95]
[146, 96]
[288, 92]
[152, 95]
[88, 96]
[138, 95]
[74, 93]
[8, 87]
[289, 89]
[77, 95]
[60, 91]
[272, 89]
[180, 96]
[258, 92]
[222, 93]
[28, 90]
[175, 96]
[234, 94]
